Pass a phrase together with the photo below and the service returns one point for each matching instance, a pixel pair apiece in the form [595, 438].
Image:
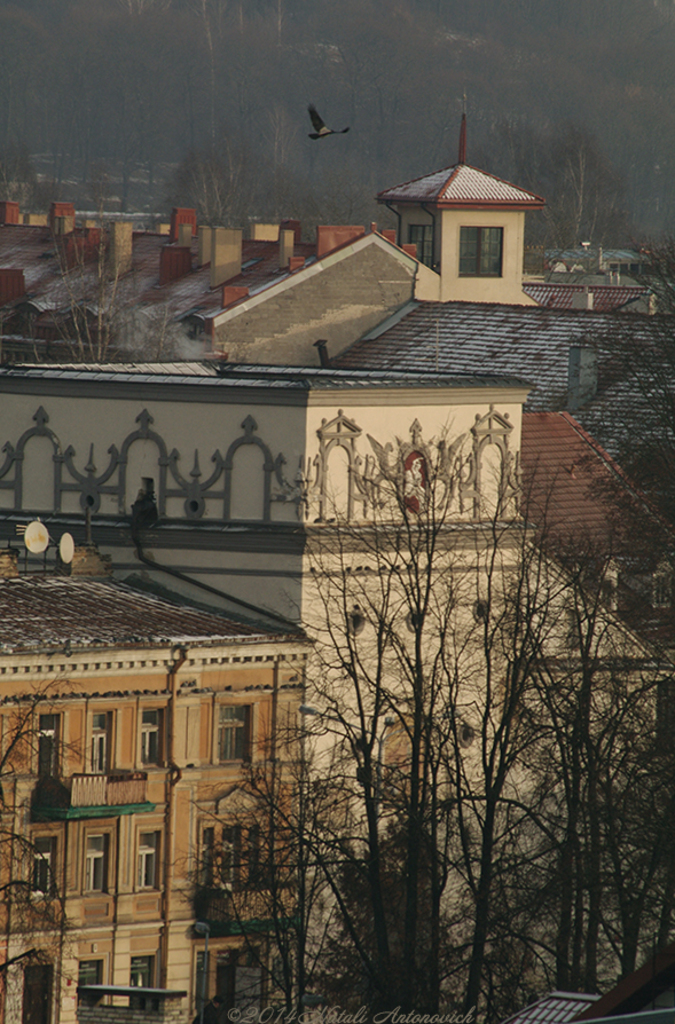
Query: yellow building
[128, 723]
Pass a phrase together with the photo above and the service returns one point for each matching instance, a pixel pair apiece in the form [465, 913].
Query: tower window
[480, 252]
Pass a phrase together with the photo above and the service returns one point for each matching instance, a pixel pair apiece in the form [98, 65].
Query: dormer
[469, 227]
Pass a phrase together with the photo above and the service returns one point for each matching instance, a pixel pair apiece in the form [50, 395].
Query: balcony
[91, 796]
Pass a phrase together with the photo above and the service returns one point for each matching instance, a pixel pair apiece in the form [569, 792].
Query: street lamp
[203, 928]
[388, 722]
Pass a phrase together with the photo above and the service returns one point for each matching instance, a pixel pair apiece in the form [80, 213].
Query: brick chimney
[175, 261]
[286, 246]
[204, 245]
[62, 218]
[88, 561]
[294, 226]
[225, 255]
[9, 212]
[12, 285]
[233, 293]
[9, 563]
[120, 252]
[329, 236]
[263, 232]
[182, 215]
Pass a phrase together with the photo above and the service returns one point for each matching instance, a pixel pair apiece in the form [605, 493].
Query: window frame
[92, 858]
[147, 729]
[44, 864]
[99, 734]
[233, 733]
[48, 745]
[148, 855]
[481, 244]
[425, 244]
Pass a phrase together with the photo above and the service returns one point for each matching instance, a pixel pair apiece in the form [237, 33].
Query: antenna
[462, 136]
[66, 548]
[36, 538]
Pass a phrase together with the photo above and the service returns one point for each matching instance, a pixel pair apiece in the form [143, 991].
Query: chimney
[120, 253]
[225, 255]
[389, 234]
[9, 213]
[263, 232]
[286, 246]
[582, 379]
[12, 285]
[203, 245]
[182, 215]
[324, 358]
[329, 237]
[174, 262]
[294, 226]
[582, 300]
[296, 263]
[185, 234]
[62, 218]
[88, 561]
[232, 293]
[9, 563]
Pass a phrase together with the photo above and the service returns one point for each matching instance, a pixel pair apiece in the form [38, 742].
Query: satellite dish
[66, 548]
[36, 537]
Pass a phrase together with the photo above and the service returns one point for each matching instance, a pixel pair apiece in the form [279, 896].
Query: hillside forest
[145, 103]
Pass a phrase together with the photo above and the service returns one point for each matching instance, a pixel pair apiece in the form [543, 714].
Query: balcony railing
[108, 790]
[91, 796]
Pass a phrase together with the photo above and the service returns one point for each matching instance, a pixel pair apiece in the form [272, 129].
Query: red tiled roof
[605, 297]
[463, 187]
[43, 610]
[572, 487]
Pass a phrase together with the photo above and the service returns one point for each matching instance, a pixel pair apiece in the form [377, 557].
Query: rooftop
[462, 187]
[532, 343]
[555, 1008]
[39, 611]
[222, 374]
[606, 298]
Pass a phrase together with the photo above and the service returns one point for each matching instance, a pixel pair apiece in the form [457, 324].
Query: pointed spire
[462, 140]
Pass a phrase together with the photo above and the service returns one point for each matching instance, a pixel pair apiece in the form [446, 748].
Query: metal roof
[461, 186]
[38, 611]
[555, 1008]
[247, 375]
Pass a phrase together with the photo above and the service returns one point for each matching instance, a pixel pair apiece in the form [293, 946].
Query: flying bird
[321, 130]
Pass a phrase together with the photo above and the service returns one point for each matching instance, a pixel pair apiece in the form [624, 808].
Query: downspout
[173, 776]
[396, 214]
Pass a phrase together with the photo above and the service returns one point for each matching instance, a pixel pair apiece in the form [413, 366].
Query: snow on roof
[461, 186]
[555, 1008]
[53, 610]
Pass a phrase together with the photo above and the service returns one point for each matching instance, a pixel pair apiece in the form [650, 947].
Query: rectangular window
[230, 865]
[96, 864]
[48, 745]
[90, 972]
[44, 863]
[207, 856]
[148, 860]
[99, 742]
[422, 236]
[480, 252]
[233, 733]
[142, 971]
[151, 735]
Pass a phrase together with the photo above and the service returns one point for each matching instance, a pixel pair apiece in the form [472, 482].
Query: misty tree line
[220, 88]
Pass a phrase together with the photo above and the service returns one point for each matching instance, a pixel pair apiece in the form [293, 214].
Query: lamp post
[203, 928]
[388, 722]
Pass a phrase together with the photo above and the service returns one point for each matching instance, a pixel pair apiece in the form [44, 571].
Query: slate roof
[555, 1008]
[38, 611]
[462, 187]
[528, 342]
[606, 298]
